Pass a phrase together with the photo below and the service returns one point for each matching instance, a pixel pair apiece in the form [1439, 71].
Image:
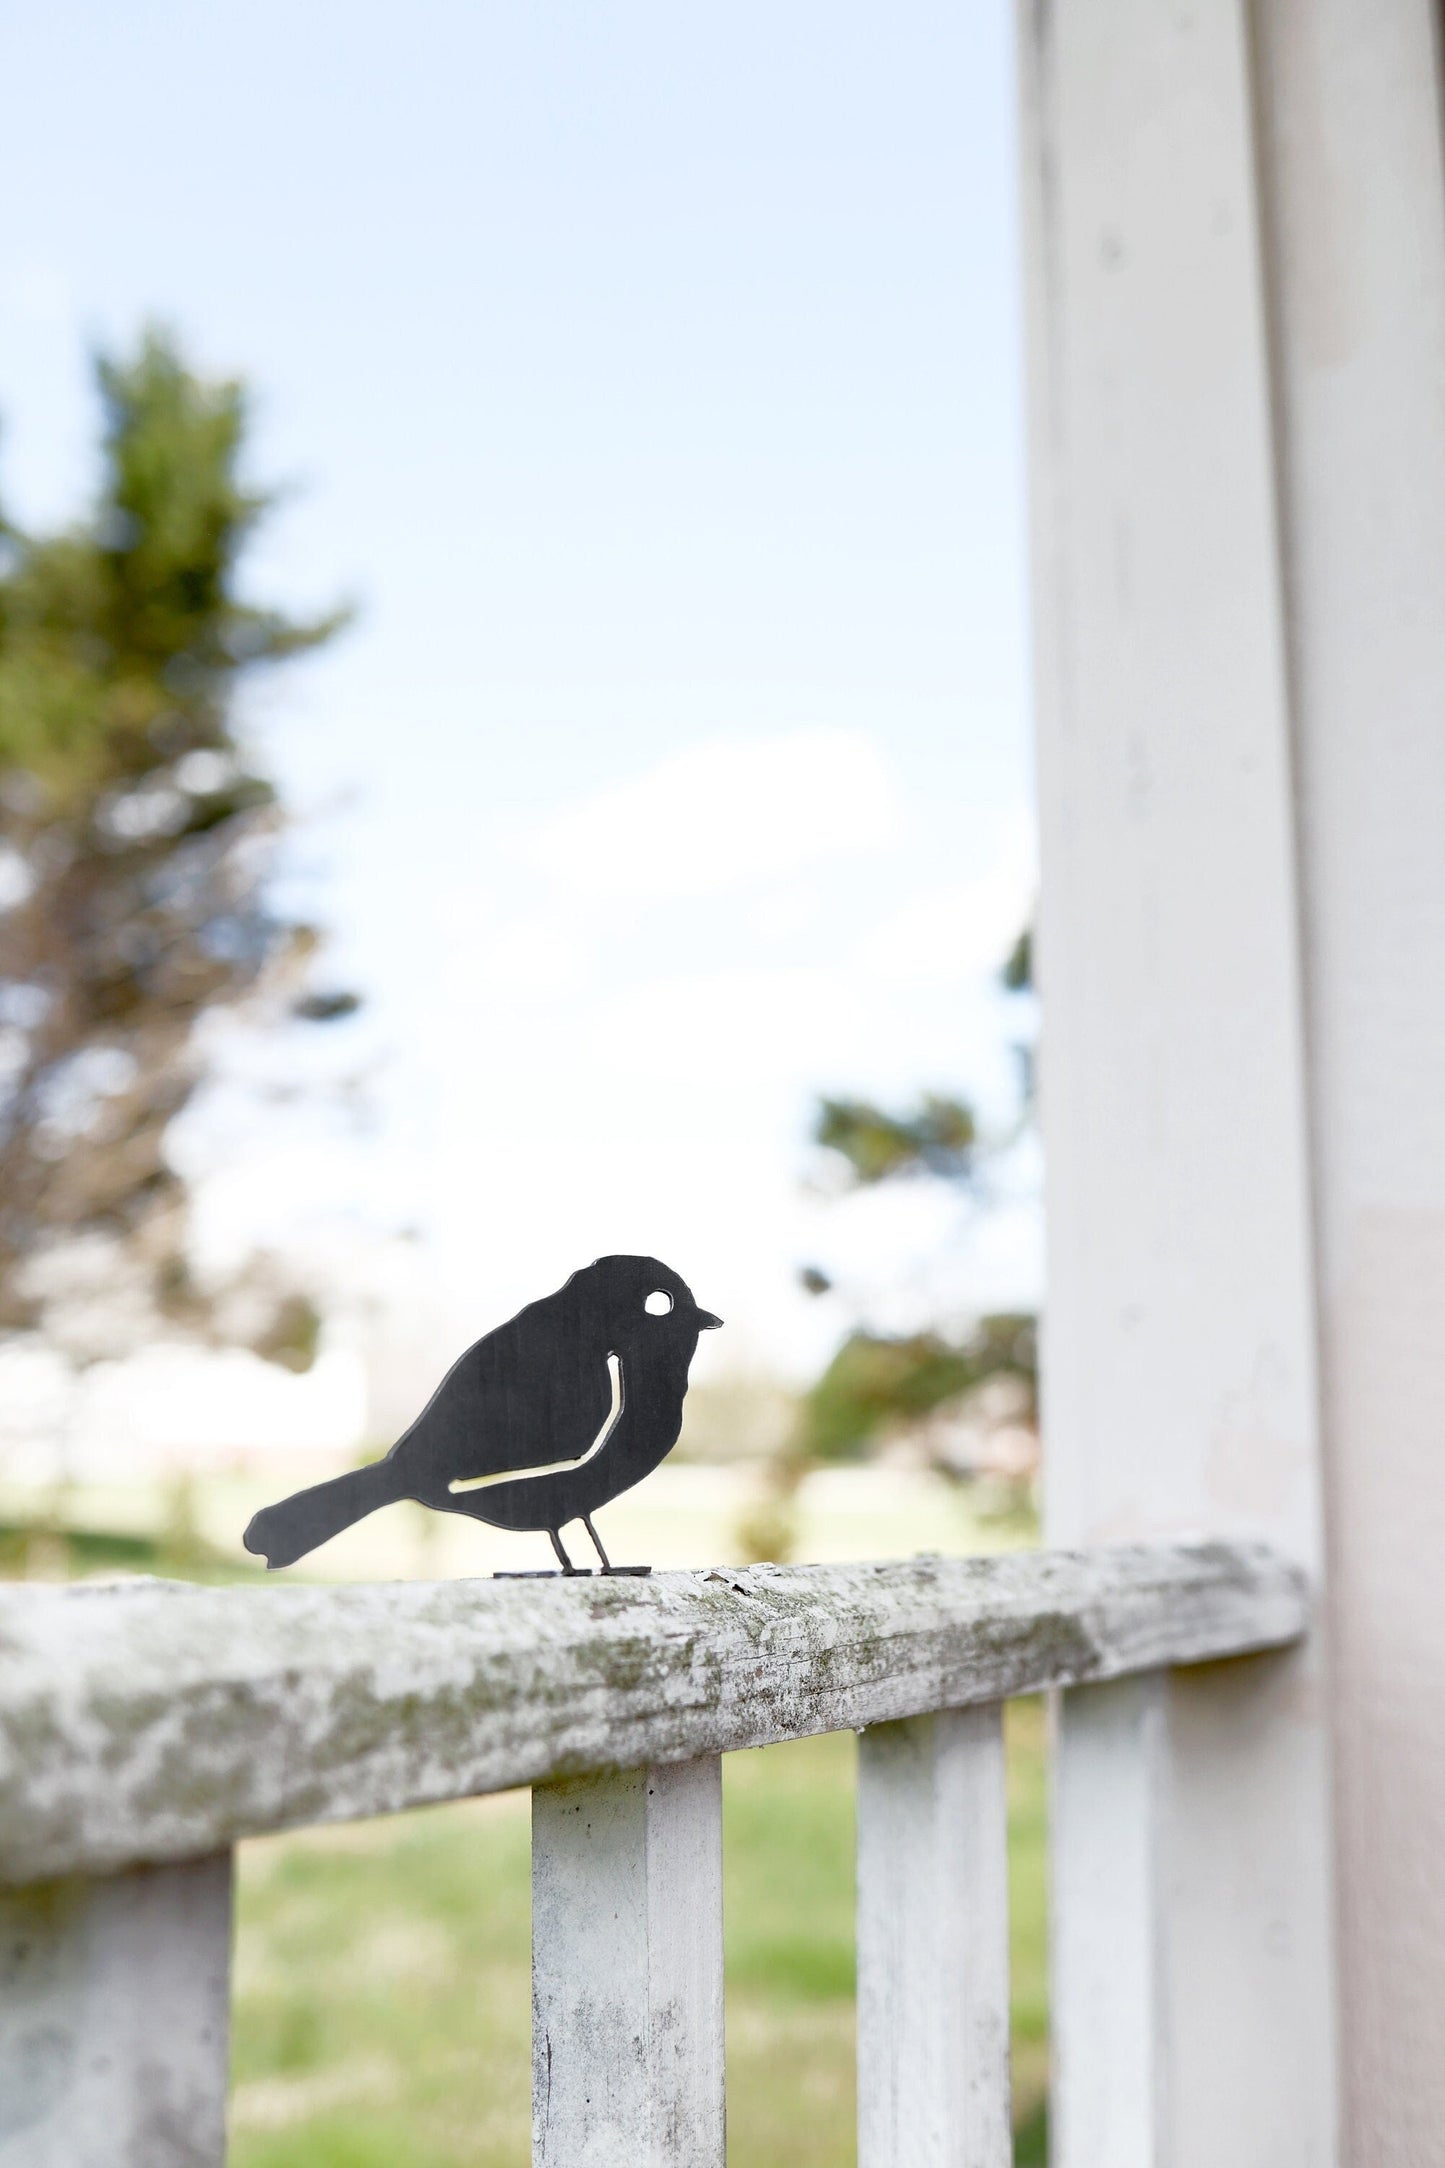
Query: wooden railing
[146, 1727]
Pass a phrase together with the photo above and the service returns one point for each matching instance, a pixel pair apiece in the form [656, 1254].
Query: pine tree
[136, 829]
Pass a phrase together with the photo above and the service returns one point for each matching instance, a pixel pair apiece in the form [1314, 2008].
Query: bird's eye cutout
[658, 1303]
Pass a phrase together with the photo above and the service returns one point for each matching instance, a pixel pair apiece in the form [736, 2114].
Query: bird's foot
[638, 1573]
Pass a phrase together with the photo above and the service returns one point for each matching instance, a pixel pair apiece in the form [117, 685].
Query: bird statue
[542, 1421]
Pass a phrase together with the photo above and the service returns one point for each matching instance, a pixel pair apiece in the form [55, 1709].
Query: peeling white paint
[149, 1721]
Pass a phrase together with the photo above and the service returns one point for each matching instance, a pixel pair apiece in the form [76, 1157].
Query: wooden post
[933, 1991]
[114, 1999]
[1181, 1388]
[1110, 1747]
[1353, 189]
[627, 1979]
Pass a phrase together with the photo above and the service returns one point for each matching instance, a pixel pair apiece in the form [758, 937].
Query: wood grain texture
[114, 2001]
[933, 1959]
[1353, 193]
[1181, 1385]
[149, 1721]
[627, 1969]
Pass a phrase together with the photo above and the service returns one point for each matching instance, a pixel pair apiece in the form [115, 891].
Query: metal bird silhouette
[575, 1399]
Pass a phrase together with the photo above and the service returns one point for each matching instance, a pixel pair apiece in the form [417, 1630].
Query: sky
[650, 379]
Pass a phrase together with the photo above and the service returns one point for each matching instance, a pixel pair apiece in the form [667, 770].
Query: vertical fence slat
[933, 2005]
[1108, 1976]
[627, 1973]
[114, 2002]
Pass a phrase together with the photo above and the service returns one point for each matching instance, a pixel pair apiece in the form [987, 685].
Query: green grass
[382, 1995]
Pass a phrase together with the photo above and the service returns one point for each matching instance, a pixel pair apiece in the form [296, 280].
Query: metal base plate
[578, 1573]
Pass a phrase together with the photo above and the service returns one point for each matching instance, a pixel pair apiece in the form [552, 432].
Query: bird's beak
[706, 1322]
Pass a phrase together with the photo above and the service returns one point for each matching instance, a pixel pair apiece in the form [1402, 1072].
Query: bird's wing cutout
[518, 1400]
[555, 1467]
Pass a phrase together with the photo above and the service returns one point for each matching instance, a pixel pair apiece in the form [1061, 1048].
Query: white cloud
[960, 931]
[719, 1031]
[536, 957]
[723, 815]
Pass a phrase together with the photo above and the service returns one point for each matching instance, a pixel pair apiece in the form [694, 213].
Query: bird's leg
[567, 1565]
[596, 1543]
[637, 1572]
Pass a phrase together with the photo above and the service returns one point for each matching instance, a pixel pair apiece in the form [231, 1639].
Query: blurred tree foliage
[878, 1381]
[135, 835]
[940, 1137]
[1017, 975]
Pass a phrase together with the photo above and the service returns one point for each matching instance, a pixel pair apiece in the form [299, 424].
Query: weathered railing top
[151, 1721]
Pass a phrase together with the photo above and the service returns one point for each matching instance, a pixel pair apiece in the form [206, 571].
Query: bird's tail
[283, 1533]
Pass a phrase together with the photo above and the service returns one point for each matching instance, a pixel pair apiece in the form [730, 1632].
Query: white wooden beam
[1354, 195]
[627, 1970]
[114, 2002]
[933, 1960]
[1181, 1387]
[286, 1706]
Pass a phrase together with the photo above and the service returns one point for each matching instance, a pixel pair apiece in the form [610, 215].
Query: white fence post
[1181, 1389]
[1106, 1914]
[933, 1970]
[627, 1976]
[114, 2002]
